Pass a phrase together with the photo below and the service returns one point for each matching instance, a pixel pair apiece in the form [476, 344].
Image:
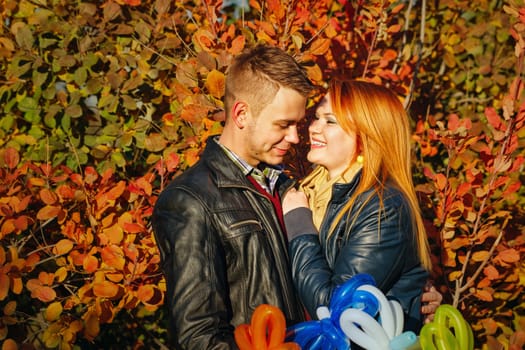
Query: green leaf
[24, 37]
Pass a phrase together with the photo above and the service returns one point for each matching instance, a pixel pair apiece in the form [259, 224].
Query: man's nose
[292, 136]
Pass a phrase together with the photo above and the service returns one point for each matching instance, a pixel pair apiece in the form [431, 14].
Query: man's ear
[239, 112]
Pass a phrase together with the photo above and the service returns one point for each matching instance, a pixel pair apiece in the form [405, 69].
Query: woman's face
[330, 145]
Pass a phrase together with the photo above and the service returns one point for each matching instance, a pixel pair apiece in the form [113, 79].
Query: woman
[357, 212]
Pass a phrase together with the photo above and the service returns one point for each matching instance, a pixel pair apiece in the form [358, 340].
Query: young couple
[234, 233]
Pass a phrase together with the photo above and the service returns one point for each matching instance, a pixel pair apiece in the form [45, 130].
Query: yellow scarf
[318, 188]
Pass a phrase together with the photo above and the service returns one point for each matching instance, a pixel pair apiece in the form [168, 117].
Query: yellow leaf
[92, 326]
[454, 275]
[53, 311]
[61, 274]
[215, 83]
[480, 256]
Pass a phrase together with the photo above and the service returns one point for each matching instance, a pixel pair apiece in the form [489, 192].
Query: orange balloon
[243, 337]
[266, 331]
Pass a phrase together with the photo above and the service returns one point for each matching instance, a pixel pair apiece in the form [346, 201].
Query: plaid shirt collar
[267, 177]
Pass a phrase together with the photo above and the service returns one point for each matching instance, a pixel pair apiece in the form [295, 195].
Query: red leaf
[493, 118]
[11, 157]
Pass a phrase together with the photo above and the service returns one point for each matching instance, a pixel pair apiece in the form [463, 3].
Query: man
[219, 225]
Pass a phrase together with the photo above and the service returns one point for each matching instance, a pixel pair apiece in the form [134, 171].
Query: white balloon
[323, 312]
[385, 310]
[399, 316]
[372, 336]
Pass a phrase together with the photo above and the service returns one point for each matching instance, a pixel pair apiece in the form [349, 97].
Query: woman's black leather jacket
[371, 240]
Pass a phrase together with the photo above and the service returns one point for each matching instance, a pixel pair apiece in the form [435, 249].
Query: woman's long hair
[382, 125]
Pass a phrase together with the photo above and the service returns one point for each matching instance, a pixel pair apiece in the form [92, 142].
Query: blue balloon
[326, 333]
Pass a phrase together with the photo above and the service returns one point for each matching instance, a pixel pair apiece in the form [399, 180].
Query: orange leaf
[105, 289]
[63, 246]
[4, 285]
[145, 293]
[509, 256]
[490, 325]
[48, 212]
[8, 227]
[215, 83]
[46, 278]
[90, 264]
[53, 311]
[16, 285]
[47, 196]
[441, 181]
[493, 118]
[320, 46]
[9, 344]
[491, 272]
[44, 293]
[10, 308]
[113, 256]
[237, 45]
[114, 233]
[90, 175]
[22, 222]
[483, 295]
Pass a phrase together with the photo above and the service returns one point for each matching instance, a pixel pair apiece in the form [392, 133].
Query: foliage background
[105, 101]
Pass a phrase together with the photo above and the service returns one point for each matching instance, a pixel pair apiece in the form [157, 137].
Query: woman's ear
[239, 111]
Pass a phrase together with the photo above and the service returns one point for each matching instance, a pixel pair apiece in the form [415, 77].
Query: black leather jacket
[223, 253]
[384, 249]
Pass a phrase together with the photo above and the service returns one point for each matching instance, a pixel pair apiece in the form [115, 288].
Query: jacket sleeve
[376, 244]
[194, 267]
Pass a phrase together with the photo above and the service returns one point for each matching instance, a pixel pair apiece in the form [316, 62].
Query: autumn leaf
[53, 311]
[145, 293]
[62, 247]
[215, 83]
[237, 45]
[484, 295]
[44, 293]
[90, 263]
[105, 289]
[509, 256]
[319, 46]
[4, 285]
[11, 157]
[113, 256]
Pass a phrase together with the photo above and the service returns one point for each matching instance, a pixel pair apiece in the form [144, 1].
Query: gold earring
[359, 159]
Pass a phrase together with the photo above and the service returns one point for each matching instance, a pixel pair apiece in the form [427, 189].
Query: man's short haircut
[256, 75]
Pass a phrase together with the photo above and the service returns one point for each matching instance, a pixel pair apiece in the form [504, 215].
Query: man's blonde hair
[258, 73]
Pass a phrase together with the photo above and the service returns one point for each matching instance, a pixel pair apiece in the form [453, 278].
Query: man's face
[270, 135]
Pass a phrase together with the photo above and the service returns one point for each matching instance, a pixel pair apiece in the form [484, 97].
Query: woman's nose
[314, 126]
